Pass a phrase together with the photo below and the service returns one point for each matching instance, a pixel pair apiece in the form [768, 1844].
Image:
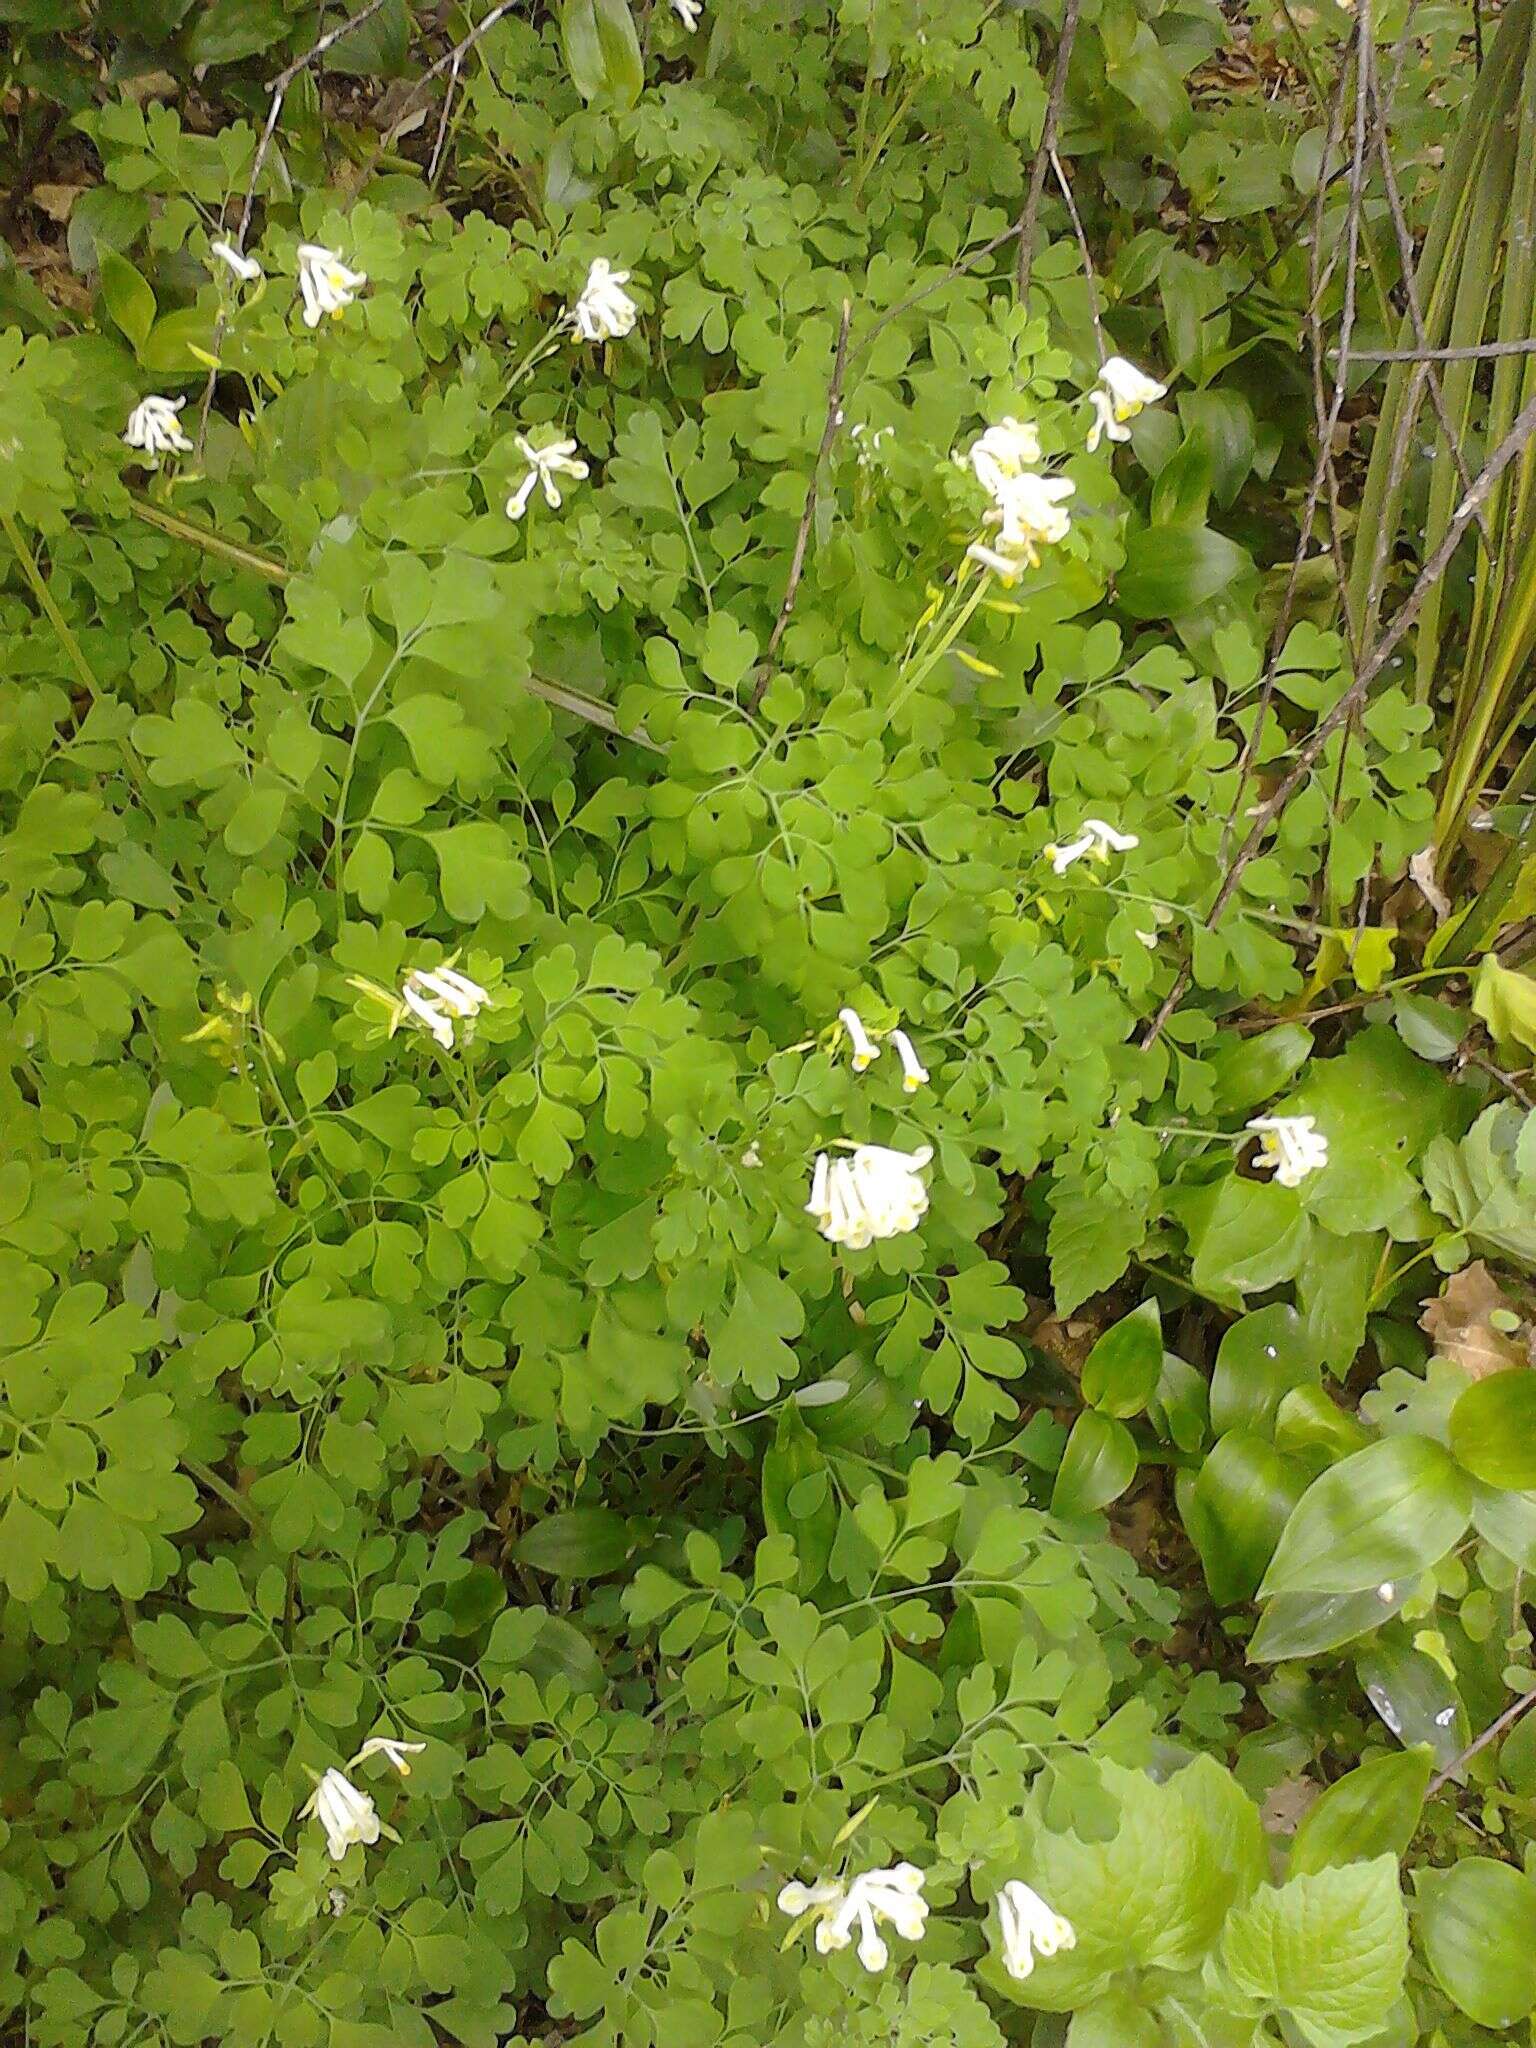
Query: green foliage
[473, 1377]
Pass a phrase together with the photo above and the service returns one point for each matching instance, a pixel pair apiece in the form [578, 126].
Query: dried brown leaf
[1458, 1322]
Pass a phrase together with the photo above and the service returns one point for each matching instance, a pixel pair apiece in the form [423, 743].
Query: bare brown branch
[1046, 149]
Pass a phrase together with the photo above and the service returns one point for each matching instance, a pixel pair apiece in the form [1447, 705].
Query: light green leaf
[127, 296]
[580, 1543]
[1493, 1430]
[1097, 1466]
[1477, 1925]
[1261, 1357]
[1153, 1895]
[1372, 1810]
[1121, 1372]
[1329, 1948]
[1235, 1508]
[1388, 1511]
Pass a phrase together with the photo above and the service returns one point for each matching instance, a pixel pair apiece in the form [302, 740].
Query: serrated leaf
[1329, 1948]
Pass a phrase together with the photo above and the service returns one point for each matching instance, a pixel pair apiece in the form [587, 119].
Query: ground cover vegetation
[766, 1249]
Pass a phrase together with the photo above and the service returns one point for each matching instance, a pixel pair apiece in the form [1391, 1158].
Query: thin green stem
[66, 638]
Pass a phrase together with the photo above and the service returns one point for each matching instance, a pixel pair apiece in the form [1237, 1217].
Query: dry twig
[1046, 150]
[1506, 1720]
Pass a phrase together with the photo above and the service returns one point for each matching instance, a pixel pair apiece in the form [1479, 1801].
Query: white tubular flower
[544, 465]
[154, 429]
[1029, 513]
[391, 1747]
[796, 1898]
[438, 997]
[346, 1814]
[1290, 1146]
[865, 1050]
[913, 1072]
[893, 1897]
[325, 283]
[688, 12]
[877, 1193]
[1096, 838]
[246, 268]
[1029, 1928]
[1121, 393]
[605, 311]
[1004, 452]
[989, 558]
[1034, 513]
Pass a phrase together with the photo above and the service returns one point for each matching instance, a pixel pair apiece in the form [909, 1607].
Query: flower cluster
[437, 998]
[893, 1897]
[347, 1814]
[154, 429]
[1290, 1147]
[1095, 838]
[440, 997]
[1028, 1926]
[605, 311]
[558, 458]
[1122, 392]
[875, 1193]
[866, 1051]
[326, 285]
[1028, 509]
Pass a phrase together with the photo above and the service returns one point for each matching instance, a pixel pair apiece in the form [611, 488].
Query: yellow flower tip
[911, 1085]
[861, 1061]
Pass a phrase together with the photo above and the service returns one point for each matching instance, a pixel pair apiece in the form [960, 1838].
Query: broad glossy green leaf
[579, 1543]
[1244, 1236]
[1235, 1508]
[1493, 1430]
[1508, 1522]
[1121, 1372]
[1173, 570]
[1261, 1357]
[1412, 1696]
[1477, 1926]
[1372, 1810]
[128, 297]
[1305, 1624]
[1249, 1070]
[1388, 1511]
[602, 51]
[1097, 1466]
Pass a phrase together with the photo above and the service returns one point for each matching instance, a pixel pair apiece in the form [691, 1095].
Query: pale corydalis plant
[866, 1049]
[326, 285]
[1096, 838]
[1029, 1927]
[244, 268]
[1121, 393]
[605, 311]
[876, 1898]
[557, 459]
[874, 1193]
[154, 429]
[1290, 1147]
